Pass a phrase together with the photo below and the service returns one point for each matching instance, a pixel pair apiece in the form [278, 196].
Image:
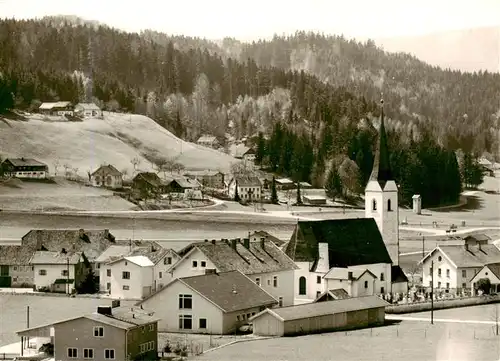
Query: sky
[249, 20]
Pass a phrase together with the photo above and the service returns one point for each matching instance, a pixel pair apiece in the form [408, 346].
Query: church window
[389, 205]
[374, 205]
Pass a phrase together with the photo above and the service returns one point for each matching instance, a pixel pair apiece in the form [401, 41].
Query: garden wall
[442, 304]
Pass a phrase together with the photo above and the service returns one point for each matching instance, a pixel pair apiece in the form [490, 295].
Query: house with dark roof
[317, 317]
[122, 333]
[15, 270]
[56, 108]
[263, 262]
[209, 141]
[147, 184]
[107, 176]
[249, 187]
[59, 271]
[330, 295]
[208, 178]
[456, 265]
[491, 272]
[259, 235]
[213, 303]
[318, 246]
[356, 282]
[24, 168]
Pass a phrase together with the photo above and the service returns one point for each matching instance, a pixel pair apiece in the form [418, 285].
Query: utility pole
[432, 292]
[423, 247]
[67, 274]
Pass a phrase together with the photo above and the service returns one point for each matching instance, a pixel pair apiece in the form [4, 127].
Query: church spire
[381, 168]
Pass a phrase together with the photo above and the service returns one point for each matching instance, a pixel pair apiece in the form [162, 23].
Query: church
[358, 255]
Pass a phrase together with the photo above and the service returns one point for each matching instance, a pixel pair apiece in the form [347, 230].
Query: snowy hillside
[116, 140]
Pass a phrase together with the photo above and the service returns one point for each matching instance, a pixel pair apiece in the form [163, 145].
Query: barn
[351, 313]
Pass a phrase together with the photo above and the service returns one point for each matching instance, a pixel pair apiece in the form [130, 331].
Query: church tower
[381, 195]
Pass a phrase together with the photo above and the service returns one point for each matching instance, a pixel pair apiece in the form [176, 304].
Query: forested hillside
[188, 88]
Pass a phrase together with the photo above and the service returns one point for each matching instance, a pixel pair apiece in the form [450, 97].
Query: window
[430, 283]
[143, 347]
[43, 272]
[151, 345]
[237, 317]
[203, 263]
[98, 266]
[108, 272]
[318, 279]
[447, 286]
[374, 205]
[280, 301]
[64, 272]
[98, 331]
[269, 282]
[448, 273]
[167, 260]
[185, 302]
[195, 264]
[382, 290]
[464, 273]
[257, 281]
[151, 327]
[185, 322]
[439, 284]
[88, 353]
[439, 272]
[389, 208]
[464, 285]
[109, 354]
[366, 284]
[72, 352]
[439, 259]
[302, 286]
[430, 270]
[275, 281]
[15, 268]
[382, 276]
[125, 288]
[160, 275]
[126, 275]
[108, 285]
[203, 323]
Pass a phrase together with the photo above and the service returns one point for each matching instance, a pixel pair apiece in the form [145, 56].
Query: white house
[107, 176]
[263, 262]
[88, 110]
[56, 108]
[213, 303]
[208, 141]
[357, 282]
[130, 277]
[57, 271]
[456, 265]
[249, 188]
[490, 271]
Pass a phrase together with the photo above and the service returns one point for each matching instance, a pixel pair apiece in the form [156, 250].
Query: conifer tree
[274, 193]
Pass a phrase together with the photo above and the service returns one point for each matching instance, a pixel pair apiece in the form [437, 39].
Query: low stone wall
[442, 304]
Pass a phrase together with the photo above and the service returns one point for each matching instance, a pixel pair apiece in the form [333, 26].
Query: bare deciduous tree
[135, 163]
[57, 164]
[67, 170]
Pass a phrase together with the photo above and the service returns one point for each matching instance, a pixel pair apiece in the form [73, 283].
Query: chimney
[246, 243]
[263, 243]
[63, 250]
[349, 275]
[479, 245]
[104, 310]
[206, 240]
[233, 243]
[466, 246]
[81, 232]
[213, 241]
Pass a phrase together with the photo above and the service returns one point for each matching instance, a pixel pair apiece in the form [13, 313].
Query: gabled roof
[88, 106]
[141, 261]
[207, 173]
[25, 162]
[112, 252]
[248, 261]
[480, 237]
[52, 105]
[339, 273]
[284, 181]
[475, 256]
[107, 169]
[186, 183]
[150, 249]
[309, 310]
[493, 267]
[52, 258]
[397, 275]
[90, 242]
[336, 294]
[268, 236]
[238, 150]
[207, 138]
[351, 242]
[149, 177]
[381, 171]
[247, 181]
[15, 255]
[230, 291]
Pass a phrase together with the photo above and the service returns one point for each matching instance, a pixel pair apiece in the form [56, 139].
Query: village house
[88, 110]
[107, 176]
[56, 108]
[209, 179]
[259, 235]
[284, 184]
[122, 333]
[147, 184]
[131, 277]
[185, 187]
[58, 271]
[492, 273]
[15, 270]
[214, 303]
[25, 168]
[356, 282]
[456, 265]
[328, 316]
[314, 199]
[208, 141]
[249, 188]
[268, 266]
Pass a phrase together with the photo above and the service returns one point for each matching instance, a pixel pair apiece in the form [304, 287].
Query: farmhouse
[208, 141]
[214, 303]
[268, 266]
[56, 108]
[88, 110]
[320, 317]
[187, 187]
[456, 265]
[314, 199]
[284, 184]
[15, 270]
[25, 168]
[210, 179]
[109, 334]
[248, 187]
[107, 176]
[147, 184]
[58, 271]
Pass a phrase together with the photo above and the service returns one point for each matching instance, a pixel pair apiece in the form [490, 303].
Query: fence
[441, 304]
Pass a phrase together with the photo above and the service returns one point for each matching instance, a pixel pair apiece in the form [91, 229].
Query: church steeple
[381, 167]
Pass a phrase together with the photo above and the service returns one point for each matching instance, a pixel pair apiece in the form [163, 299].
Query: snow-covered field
[116, 140]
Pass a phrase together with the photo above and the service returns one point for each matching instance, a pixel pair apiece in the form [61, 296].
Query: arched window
[389, 205]
[374, 205]
[302, 286]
